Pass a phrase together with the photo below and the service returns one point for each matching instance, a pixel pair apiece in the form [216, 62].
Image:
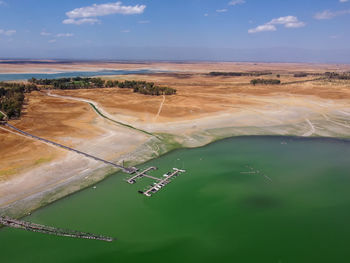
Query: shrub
[265, 81]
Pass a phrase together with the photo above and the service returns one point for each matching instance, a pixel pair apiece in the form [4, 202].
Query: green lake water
[295, 209]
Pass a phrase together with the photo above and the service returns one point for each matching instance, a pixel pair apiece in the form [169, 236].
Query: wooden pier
[129, 170]
[14, 223]
[132, 180]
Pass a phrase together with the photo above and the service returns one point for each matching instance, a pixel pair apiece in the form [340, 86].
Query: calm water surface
[296, 209]
[8, 77]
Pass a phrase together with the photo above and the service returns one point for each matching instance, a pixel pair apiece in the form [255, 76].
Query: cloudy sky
[271, 30]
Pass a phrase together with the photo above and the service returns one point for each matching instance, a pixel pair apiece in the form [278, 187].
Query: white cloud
[221, 10]
[10, 32]
[324, 15]
[45, 34]
[52, 41]
[7, 32]
[206, 14]
[125, 31]
[236, 2]
[262, 28]
[327, 14]
[144, 22]
[105, 9]
[65, 35]
[3, 3]
[78, 22]
[84, 15]
[286, 21]
[295, 24]
[343, 1]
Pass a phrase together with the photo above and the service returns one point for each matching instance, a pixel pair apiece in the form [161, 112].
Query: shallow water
[295, 209]
[8, 77]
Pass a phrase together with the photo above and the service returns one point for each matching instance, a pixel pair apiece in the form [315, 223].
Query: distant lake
[18, 76]
[245, 199]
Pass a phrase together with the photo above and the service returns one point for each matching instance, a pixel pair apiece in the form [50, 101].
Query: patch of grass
[7, 172]
[168, 142]
[42, 160]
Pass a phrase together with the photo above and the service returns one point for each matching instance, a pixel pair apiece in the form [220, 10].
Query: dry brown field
[200, 95]
[55, 119]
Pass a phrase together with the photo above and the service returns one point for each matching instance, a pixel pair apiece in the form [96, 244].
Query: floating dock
[160, 182]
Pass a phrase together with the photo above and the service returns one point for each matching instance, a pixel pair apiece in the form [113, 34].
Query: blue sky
[162, 29]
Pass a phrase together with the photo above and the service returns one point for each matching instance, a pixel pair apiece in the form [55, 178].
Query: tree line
[12, 94]
[265, 81]
[143, 87]
[300, 75]
[12, 98]
[334, 75]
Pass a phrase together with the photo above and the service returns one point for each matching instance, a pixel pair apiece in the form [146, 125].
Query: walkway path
[100, 111]
[160, 108]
